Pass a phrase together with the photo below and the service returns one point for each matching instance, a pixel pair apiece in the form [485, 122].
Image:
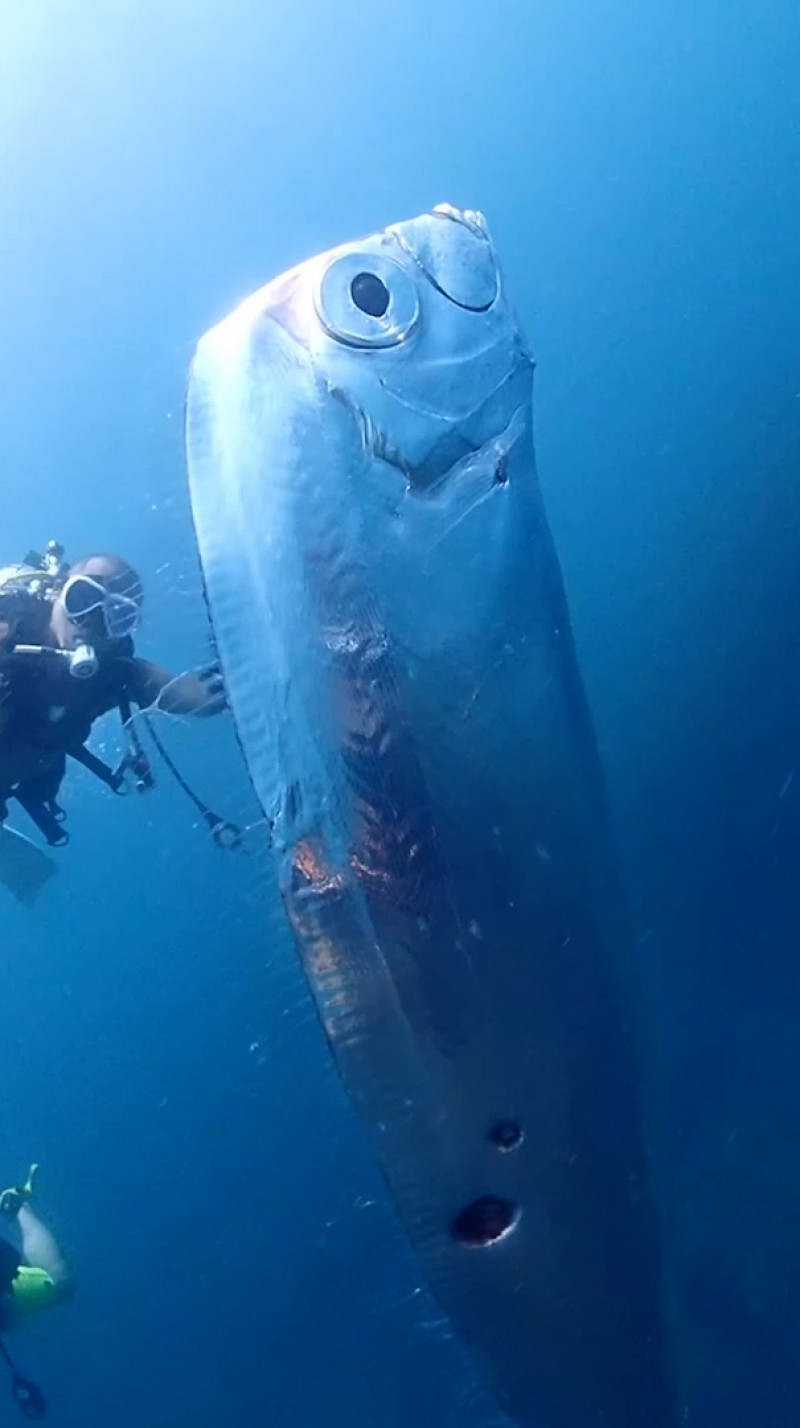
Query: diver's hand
[11, 1202]
[196, 691]
[13, 1199]
[210, 679]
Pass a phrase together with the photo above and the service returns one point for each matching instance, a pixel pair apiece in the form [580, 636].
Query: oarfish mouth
[470, 217]
[466, 272]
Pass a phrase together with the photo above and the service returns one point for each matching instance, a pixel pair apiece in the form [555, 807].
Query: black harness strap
[44, 815]
[112, 778]
[39, 802]
[45, 812]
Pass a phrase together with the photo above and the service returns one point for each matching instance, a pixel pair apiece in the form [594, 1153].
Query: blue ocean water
[236, 1255]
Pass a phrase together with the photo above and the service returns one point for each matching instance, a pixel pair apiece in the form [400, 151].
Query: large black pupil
[369, 294]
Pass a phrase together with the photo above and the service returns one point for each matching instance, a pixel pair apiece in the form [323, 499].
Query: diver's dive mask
[84, 595]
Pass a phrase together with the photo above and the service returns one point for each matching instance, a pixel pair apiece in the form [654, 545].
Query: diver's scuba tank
[51, 563]
[37, 574]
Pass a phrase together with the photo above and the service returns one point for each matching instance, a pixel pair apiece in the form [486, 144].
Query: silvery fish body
[392, 627]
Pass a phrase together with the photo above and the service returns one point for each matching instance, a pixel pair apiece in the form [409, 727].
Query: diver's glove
[213, 686]
[12, 1199]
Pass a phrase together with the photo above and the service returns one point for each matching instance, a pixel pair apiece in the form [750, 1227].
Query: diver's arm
[40, 1249]
[198, 692]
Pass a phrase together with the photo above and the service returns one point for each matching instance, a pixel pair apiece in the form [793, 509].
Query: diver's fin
[24, 868]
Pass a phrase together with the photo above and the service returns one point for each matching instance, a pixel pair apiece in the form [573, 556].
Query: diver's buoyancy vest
[26, 596]
[48, 697]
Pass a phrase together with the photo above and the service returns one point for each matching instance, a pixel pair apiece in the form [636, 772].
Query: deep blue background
[641, 172]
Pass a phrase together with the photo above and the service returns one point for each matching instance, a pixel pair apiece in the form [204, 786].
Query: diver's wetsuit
[46, 713]
[9, 1265]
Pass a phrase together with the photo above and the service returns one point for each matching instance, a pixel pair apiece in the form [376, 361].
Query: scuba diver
[33, 1277]
[66, 658]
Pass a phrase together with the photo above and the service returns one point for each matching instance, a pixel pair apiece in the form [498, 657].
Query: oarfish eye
[367, 300]
[370, 294]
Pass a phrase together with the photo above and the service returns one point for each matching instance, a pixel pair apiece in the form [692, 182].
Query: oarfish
[393, 631]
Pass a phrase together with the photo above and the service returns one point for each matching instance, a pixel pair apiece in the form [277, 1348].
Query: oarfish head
[411, 329]
[356, 419]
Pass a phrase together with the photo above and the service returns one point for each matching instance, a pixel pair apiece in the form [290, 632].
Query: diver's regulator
[82, 661]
